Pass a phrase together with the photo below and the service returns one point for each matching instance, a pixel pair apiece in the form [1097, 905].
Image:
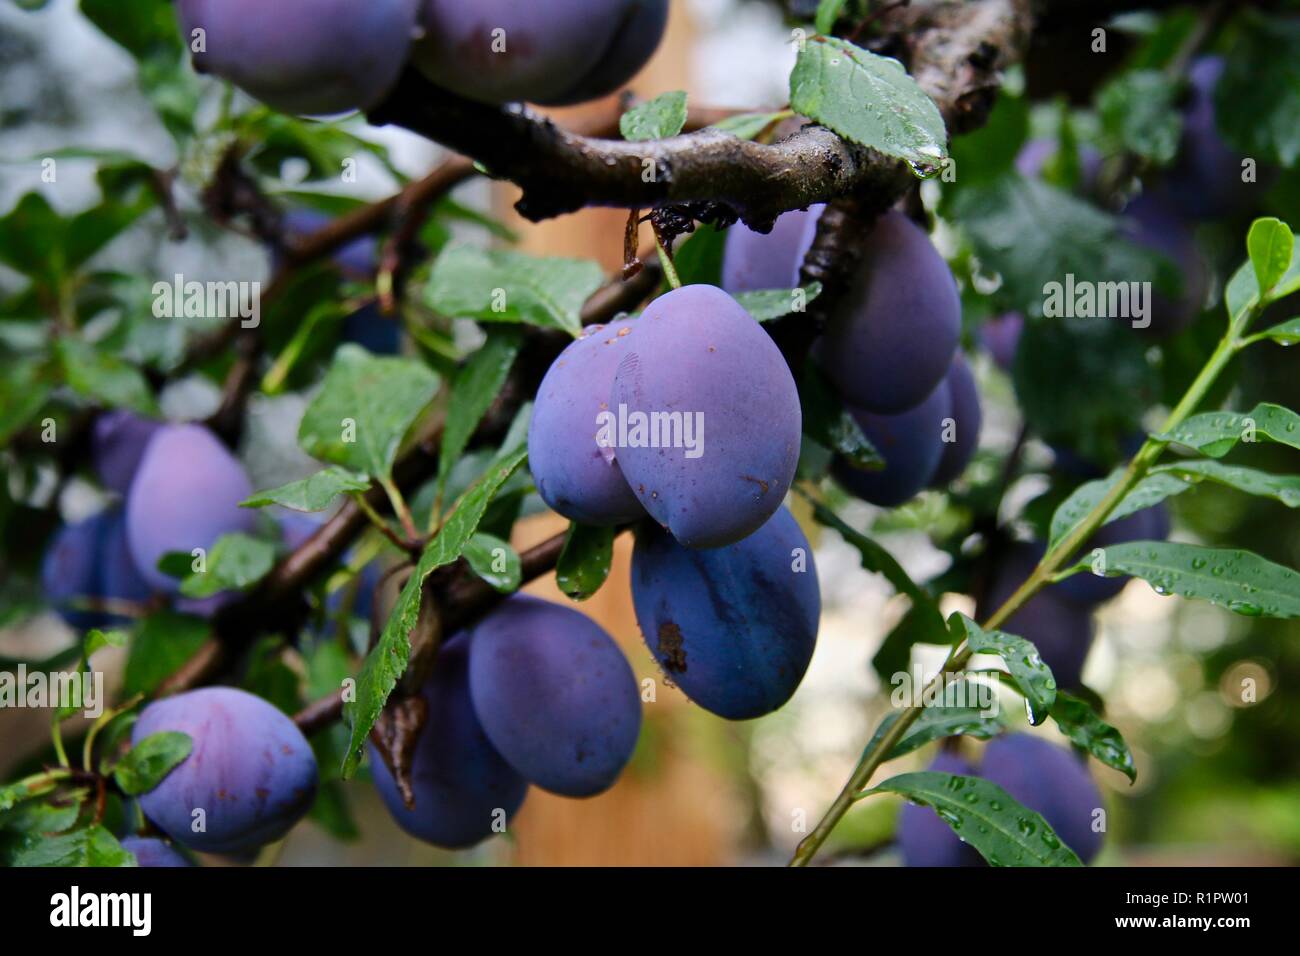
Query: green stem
[87, 748]
[399, 508]
[1141, 463]
[56, 735]
[665, 260]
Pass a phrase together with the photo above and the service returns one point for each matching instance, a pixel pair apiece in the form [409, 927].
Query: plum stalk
[1043, 574]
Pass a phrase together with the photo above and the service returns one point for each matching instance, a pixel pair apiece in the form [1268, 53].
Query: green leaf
[365, 407]
[585, 560]
[313, 493]
[97, 640]
[234, 562]
[87, 847]
[24, 389]
[987, 817]
[828, 12]
[1080, 723]
[1030, 672]
[143, 27]
[387, 660]
[748, 125]
[1285, 333]
[165, 641]
[1257, 100]
[1282, 488]
[937, 723]
[699, 258]
[105, 377]
[827, 422]
[868, 99]
[495, 562]
[1139, 111]
[473, 390]
[1216, 433]
[768, 304]
[1151, 490]
[1238, 580]
[1270, 244]
[661, 117]
[1033, 234]
[151, 760]
[497, 285]
[1242, 291]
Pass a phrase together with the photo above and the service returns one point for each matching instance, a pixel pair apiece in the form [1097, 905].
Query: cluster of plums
[890, 348]
[1048, 779]
[347, 55]
[179, 489]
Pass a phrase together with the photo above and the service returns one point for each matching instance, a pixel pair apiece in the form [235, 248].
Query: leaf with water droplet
[1283, 488]
[1216, 433]
[936, 723]
[1080, 723]
[1003, 829]
[1151, 490]
[1238, 580]
[1032, 675]
[868, 99]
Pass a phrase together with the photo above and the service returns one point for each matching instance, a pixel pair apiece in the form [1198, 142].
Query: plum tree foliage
[812, 325]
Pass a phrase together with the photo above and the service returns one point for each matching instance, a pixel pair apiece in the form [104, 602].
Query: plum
[251, 771]
[1000, 335]
[555, 695]
[90, 561]
[303, 56]
[891, 338]
[733, 627]
[70, 570]
[1059, 627]
[754, 260]
[463, 786]
[910, 443]
[721, 404]
[185, 495]
[554, 52]
[1048, 779]
[575, 476]
[924, 839]
[1051, 780]
[967, 418]
[1152, 222]
[118, 443]
[1205, 181]
[152, 852]
[1149, 524]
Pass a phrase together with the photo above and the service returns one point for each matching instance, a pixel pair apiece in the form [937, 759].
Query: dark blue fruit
[185, 495]
[555, 695]
[119, 441]
[575, 475]
[733, 627]
[721, 406]
[911, 444]
[966, 419]
[754, 260]
[892, 337]
[150, 852]
[464, 789]
[251, 772]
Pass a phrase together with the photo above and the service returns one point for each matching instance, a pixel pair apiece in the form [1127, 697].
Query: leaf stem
[1137, 468]
[665, 260]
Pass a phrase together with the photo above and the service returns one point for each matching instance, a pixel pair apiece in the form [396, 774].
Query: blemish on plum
[671, 648]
